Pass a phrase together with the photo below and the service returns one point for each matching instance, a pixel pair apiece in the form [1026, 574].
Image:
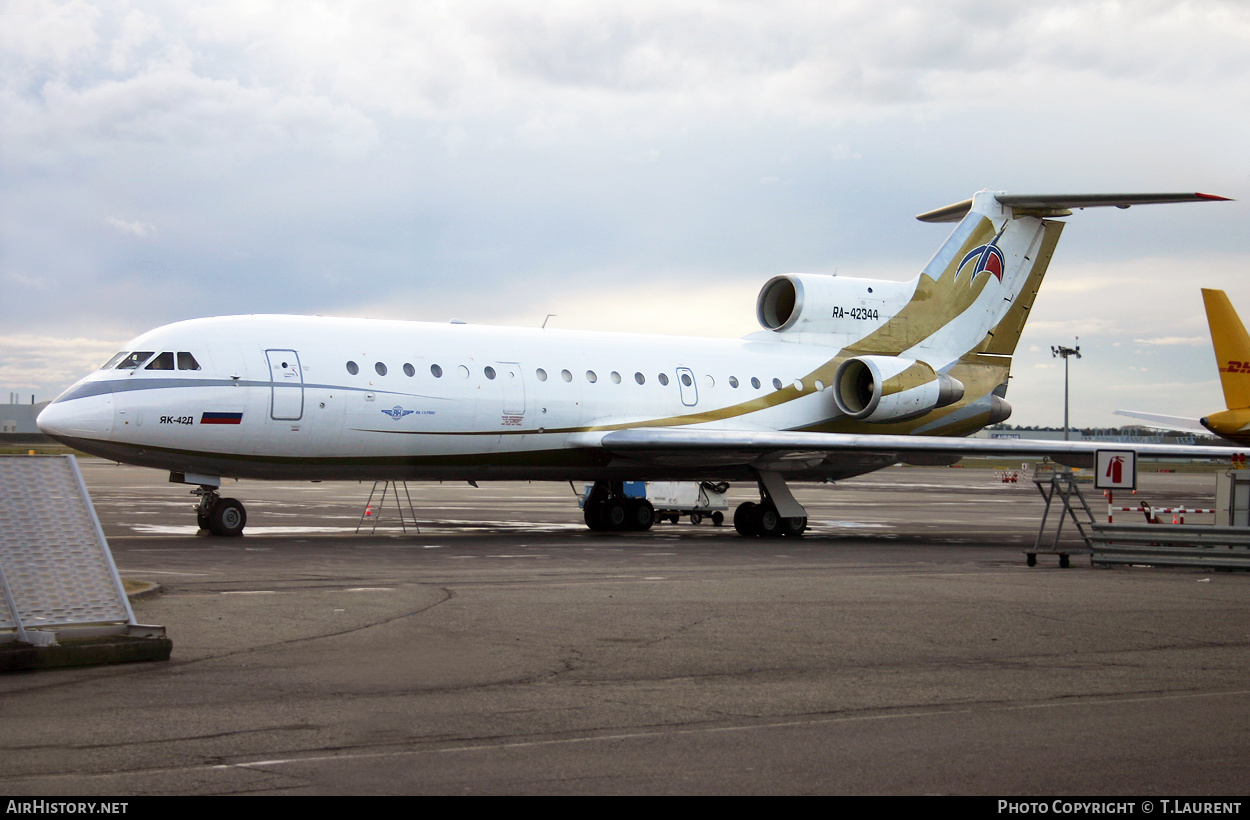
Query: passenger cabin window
[187, 362]
[162, 361]
[353, 368]
[135, 359]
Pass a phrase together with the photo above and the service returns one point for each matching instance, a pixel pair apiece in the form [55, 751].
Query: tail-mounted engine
[891, 388]
[809, 303]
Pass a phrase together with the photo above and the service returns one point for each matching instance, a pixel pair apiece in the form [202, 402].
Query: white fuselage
[323, 398]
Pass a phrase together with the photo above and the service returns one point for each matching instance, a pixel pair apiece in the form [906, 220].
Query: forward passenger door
[286, 381]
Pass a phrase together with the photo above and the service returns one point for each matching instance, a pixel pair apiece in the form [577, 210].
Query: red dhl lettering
[1236, 367]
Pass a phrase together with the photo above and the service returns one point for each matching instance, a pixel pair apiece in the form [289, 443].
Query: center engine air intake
[891, 388]
[779, 304]
[797, 304]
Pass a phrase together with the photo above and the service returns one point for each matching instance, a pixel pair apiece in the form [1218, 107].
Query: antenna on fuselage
[549, 315]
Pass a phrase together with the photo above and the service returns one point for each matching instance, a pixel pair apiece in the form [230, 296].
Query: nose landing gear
[223, 517]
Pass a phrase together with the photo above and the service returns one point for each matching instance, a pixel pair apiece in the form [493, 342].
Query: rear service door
[513, 389]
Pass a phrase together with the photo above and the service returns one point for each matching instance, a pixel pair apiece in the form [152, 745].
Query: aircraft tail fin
[986, 275]
[972, 298]
[1232, 348]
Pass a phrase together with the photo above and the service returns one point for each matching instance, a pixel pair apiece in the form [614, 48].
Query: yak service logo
[984, 258]
[397, 412]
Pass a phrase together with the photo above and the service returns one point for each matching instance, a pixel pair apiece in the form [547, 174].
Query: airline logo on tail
[986, 258]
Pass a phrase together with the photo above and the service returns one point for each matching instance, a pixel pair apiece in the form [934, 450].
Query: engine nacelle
[891, 388]
[797, 303]
[1000, 410]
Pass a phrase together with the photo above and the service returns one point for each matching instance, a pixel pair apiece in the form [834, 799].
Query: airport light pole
[1065, 352]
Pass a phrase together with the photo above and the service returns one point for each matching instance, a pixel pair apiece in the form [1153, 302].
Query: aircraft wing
[1160, 422]
[696, 447]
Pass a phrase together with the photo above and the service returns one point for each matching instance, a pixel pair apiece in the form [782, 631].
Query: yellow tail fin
[1232, 348]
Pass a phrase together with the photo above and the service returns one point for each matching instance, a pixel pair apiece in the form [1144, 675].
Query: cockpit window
[163, 361]
[187, 362]
[113, 361]
[133, 360]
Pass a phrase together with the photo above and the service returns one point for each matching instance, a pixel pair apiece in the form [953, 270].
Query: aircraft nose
[89, 417]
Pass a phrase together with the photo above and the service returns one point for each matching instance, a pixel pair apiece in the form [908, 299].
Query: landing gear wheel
[202, 518]
[770, 523]
[227, 518]
[615, 515]
[594, 515]
[746, 519]
[641, 515]
[794, 527]
[1063, 562]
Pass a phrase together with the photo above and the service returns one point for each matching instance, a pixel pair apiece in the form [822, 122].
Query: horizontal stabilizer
[1161, 422]
[1050, 205]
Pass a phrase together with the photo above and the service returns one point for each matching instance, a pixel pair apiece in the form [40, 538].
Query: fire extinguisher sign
[1115, 470]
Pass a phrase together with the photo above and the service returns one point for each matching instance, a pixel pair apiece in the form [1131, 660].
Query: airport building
[17, 422]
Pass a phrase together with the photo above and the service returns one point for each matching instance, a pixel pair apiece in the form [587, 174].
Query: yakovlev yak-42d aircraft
[848, 376]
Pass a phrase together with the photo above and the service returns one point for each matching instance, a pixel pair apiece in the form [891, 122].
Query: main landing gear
[761, 519]
[608, 509]
[220, 516]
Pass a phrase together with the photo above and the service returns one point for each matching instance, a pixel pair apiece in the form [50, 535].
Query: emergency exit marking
[1115, 470]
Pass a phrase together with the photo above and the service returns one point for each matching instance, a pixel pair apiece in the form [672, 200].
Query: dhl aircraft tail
[1232, 355]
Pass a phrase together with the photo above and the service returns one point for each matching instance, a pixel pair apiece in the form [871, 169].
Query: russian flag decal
[221, 418]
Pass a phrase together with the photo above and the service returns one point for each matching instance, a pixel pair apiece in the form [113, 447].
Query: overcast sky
[625, 165]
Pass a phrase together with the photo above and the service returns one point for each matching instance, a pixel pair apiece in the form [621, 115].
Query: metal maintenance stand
[1061, 483]
[1113, 470]
[406, 517]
